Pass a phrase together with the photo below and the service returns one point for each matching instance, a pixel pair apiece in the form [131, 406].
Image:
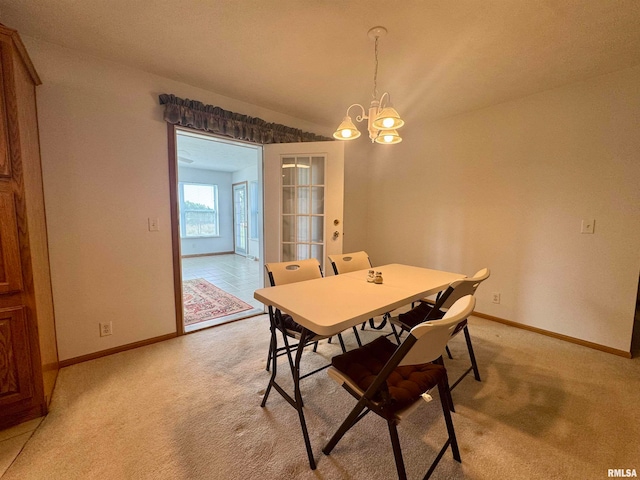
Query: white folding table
[330, 305]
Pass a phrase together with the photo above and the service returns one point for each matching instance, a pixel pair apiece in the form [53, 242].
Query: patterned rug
[204, 301]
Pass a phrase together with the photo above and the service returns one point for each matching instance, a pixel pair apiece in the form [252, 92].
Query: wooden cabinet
[28, 353]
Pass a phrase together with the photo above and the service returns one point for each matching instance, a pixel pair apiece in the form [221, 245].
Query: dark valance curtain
[193, 114]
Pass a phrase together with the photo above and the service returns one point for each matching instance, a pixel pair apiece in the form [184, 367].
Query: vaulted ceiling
[312, 58]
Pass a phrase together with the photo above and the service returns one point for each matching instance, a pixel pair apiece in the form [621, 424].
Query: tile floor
[13, 439]
[235, 274]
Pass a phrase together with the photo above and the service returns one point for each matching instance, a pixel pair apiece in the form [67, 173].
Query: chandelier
[382, 119]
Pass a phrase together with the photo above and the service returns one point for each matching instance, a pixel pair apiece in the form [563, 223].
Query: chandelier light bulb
[387, 122]
[347, 130]
[388, 137]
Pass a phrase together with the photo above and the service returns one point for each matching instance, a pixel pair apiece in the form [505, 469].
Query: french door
[240, 220]
[304, 195]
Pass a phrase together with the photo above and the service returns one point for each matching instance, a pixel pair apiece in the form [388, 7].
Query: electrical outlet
[496, 297]
[106, 328]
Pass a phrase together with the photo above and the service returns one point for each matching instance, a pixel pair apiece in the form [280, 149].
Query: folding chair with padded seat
[283, 273]
[391, 380]
[433, 310]
[350, 262]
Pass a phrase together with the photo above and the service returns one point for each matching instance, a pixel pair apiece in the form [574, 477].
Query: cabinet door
[15, 367]
[5, 159]
[10, 267]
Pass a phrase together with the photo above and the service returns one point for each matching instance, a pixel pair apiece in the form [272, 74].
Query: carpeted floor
[204, 301]
[188, 408]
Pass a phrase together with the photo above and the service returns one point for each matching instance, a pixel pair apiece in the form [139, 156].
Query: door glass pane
[317, 228]
[317, 170]
[303, 229]
[317, 200]
[302, 251]
[303, 167]
[288, 228]
[288, 171]
[288, 196]
[316, 252]
[288, 252]
[303, 200]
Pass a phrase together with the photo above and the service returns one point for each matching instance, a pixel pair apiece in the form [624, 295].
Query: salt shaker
[371, 276]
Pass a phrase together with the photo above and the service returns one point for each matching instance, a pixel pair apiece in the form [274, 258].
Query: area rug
[204, 301]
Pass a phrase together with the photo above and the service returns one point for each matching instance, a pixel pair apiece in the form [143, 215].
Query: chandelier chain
[375, 73]
[382, 119]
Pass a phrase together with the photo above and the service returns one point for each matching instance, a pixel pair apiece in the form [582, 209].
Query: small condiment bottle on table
[371, 276]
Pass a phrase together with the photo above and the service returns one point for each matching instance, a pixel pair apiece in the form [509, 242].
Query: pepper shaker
[378, 278]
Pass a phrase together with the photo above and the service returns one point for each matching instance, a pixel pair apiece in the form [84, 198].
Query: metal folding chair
[433, 310]
[391, 380]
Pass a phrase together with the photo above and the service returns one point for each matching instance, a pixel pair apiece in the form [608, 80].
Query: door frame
[175, 227]
[175, 213]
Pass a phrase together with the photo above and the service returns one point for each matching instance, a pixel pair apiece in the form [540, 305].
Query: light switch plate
[588, 226]
[153, 224]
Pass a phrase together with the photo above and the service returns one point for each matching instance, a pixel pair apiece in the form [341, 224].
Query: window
[198, 210]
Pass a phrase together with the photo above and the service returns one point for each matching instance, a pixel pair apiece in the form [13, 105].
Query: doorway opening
[218, 205]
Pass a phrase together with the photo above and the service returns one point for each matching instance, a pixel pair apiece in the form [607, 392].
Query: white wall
[507, 187]
[358, 156]
[105, 168]
[223, 242]
[504, 187]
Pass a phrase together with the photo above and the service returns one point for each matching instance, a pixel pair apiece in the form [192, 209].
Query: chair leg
[440, 361]
[476, 373]
[395, 333]
[274, 359]
[448, 352]
[355, 332]
[298, 400]
[349, 422]
[445, 396]
[397, 451]
[344, 350]
[363, 325]
[269, 357]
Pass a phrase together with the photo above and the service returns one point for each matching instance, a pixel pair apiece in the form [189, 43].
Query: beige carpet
[189, 408]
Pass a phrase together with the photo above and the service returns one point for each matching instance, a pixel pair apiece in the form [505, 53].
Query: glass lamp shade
[388, 119]
[388, 137]
[347, 130]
